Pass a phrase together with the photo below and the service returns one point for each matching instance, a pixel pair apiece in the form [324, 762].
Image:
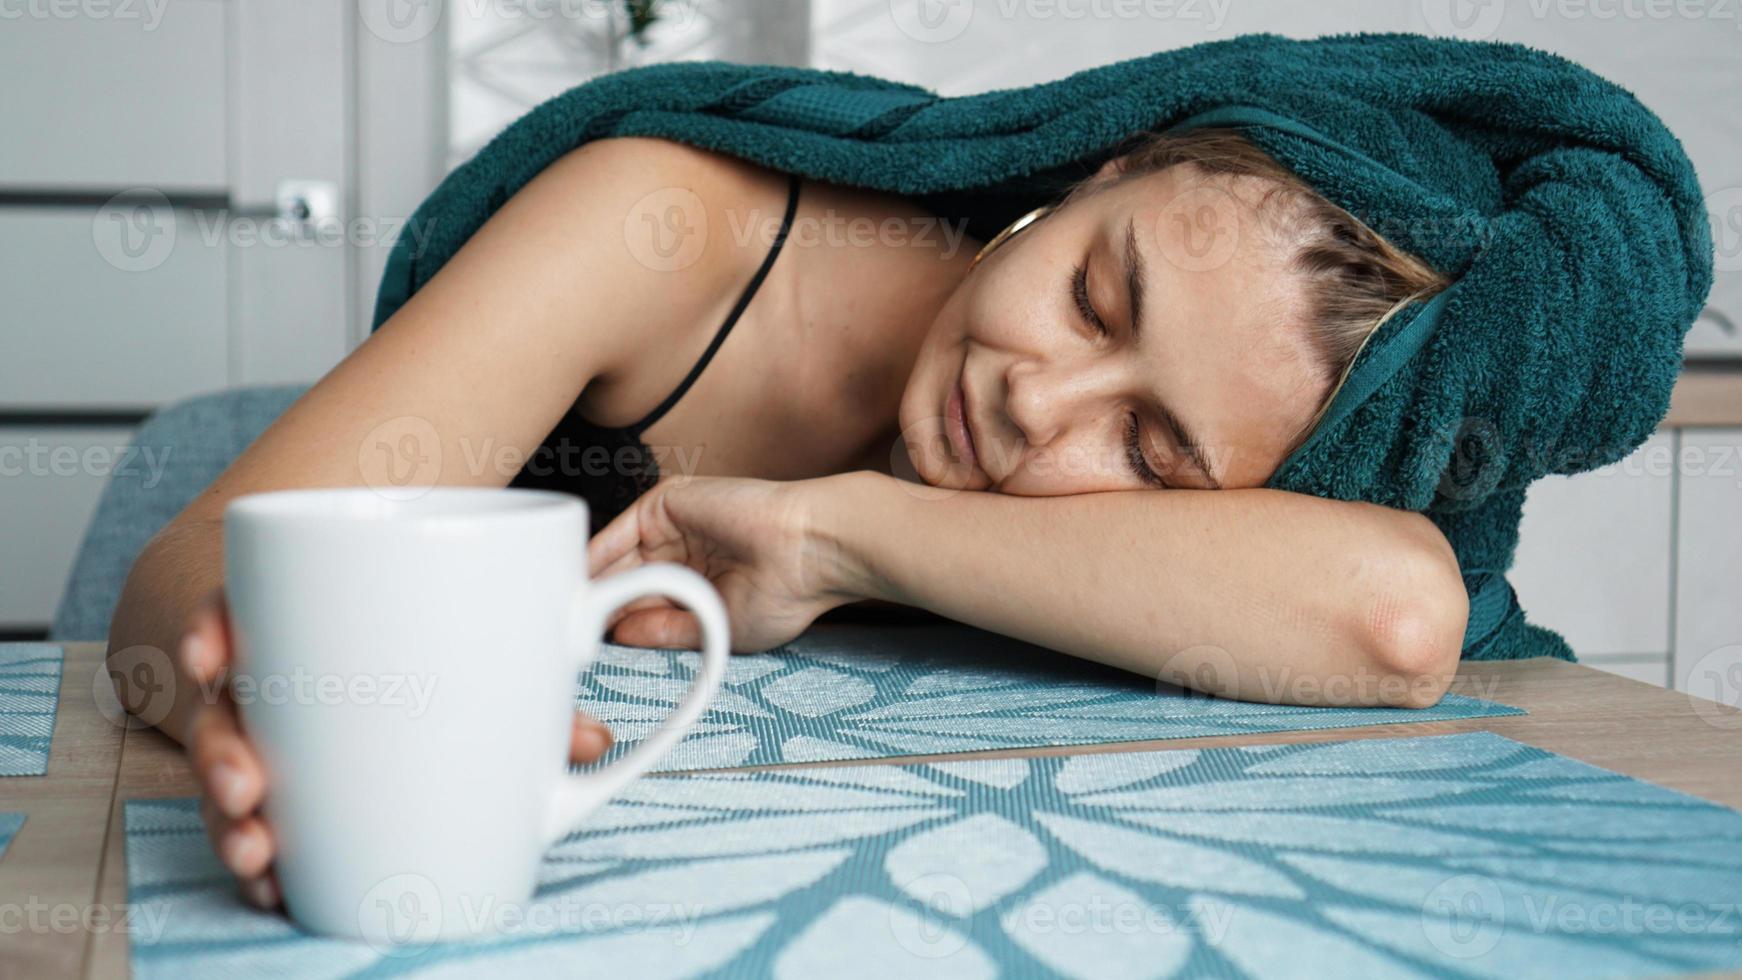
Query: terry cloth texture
[1568, 215]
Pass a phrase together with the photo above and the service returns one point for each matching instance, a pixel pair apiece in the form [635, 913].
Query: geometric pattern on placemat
[29, 692]
[1451, 855]
[843, 692]
[9, 826]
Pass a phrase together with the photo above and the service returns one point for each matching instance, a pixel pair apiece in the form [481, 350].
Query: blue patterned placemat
[1451, 855]
[29, 691]
[9, 825]
[847, 691]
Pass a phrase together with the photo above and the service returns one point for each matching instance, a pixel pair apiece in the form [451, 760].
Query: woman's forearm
[179, 566]
[1256, 594]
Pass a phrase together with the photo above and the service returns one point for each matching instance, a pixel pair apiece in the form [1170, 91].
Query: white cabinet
[1708, 622]
[1594, 554]
[83, 104]
[53, 474]
[110, 308]
[150, 161]
[1639, 564]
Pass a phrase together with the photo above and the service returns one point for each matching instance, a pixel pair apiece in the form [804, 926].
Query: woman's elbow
[1413, 626]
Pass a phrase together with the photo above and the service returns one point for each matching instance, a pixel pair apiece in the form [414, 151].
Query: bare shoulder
[660, 228]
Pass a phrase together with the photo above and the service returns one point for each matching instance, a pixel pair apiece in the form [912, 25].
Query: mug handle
[579, 794]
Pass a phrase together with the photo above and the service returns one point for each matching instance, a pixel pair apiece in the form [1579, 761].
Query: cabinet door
[50, 479]
[116, 96]
[118, 307]
[1594, 554]
[1708, 619]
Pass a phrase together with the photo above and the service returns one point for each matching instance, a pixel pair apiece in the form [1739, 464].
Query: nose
[1043, 400]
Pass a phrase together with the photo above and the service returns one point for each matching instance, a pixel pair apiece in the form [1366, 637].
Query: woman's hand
[231, 776]
[757, 541]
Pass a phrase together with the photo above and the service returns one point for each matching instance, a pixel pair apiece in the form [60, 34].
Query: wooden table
[67, 865]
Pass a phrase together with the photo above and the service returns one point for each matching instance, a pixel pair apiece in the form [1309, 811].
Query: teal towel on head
[1570, 218]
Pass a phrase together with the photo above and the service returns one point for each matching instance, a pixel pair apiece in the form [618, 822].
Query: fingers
[226, 766]
[588, 740]
[205, 644]
[245, 846]
[634, 606]
[668, 626]
[233, 784]
[614, 544]
[262, 892]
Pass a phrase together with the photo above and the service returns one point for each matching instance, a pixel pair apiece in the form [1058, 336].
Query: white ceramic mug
[406, 669]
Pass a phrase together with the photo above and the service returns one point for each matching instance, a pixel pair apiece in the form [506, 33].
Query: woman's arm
[1255, 594]
[474, 371]
[457, 388]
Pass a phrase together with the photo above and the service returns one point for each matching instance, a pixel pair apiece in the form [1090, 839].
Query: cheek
[1089, 462]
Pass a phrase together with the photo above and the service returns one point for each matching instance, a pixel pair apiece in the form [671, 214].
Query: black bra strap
[731, 318]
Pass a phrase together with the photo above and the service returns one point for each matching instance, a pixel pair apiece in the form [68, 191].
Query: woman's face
[1189, 369]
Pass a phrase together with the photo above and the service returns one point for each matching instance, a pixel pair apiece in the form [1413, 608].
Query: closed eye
[1139, 460]
[1080, 295]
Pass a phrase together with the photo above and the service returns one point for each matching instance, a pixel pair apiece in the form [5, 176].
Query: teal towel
[1570, 218]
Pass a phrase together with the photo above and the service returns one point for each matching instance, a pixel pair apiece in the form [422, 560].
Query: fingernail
[260, 892]
[240, 850]
[193, 653]
[227, 788]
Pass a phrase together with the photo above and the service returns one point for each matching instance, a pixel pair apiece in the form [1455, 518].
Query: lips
[961, 433]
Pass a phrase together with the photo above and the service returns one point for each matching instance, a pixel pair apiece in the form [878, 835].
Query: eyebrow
[1136, 286]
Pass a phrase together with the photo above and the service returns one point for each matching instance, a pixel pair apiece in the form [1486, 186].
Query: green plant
[642, 14]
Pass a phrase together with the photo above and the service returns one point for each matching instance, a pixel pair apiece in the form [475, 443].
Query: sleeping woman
[817, 396]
